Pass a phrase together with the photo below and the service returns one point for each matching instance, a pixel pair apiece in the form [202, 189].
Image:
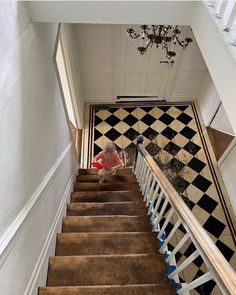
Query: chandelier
[164, 36]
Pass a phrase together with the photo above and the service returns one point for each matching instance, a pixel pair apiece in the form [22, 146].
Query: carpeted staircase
[106, 246]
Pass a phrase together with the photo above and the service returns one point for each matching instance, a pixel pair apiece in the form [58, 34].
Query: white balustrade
[164, 202]
[231, 19]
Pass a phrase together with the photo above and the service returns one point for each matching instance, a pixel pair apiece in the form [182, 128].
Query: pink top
[109, 160]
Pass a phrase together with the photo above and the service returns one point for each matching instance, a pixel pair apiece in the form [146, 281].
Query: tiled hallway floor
[173, 136]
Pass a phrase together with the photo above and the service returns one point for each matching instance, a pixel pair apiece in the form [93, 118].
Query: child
[110, 160]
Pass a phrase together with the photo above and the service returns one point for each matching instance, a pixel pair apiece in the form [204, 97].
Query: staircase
[106, 245]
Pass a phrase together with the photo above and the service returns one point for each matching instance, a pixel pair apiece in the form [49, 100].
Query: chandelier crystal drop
[159, 35]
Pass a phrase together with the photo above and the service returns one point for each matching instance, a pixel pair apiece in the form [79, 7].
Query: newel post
[139, 140]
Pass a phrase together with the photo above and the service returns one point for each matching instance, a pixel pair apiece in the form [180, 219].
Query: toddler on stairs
[110, 160]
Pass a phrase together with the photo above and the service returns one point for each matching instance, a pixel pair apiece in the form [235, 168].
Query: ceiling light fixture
[165, 36]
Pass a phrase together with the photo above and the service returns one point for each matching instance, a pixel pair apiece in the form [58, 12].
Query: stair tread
[116, 223]
[106, 196]
[106, 243]
[140, 289]
[106, 270]
[88, 186]
[110, 208]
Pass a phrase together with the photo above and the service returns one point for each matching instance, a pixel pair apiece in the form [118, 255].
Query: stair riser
[109, 196]
[106, 209]
[106, 244]
[120, 186]
[111, 270]
[105, 224]
[95, 172]
[108, 179]
[159, 289]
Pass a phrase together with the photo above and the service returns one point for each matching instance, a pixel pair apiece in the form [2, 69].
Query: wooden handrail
[221, 269]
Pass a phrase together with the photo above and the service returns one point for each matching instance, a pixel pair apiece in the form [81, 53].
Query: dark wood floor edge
[214, 176]
[138, 104]
[90, 135]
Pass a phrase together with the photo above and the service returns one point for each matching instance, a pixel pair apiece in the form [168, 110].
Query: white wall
[37, 161]
[113, 12]
[208, 99]
[218, 58]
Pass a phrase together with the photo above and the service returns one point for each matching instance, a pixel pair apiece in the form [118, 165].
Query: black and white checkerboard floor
[172, 136]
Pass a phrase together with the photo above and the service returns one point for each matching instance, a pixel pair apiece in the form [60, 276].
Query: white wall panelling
[208, 99]
[110, 66]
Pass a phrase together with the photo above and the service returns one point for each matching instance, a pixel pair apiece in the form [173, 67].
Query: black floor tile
[150, 133]
[188, 132]
[148, 119]
[130, 120]
[112, 120]
[192, 148]
[130, 110]
[169, 133]
[214, 226]
[166, 119]
[184, 118]
[196, 164]
[164, 108]
[207, 203]
[112, 134]
[97, 134]
[202, 183]
[175, 165]
[225, 250]
[181, 108]
[153, 149]
[172, 148]
[180, 184]
[96, 149]
[204, 289]
[97, 121]
[146, 109]
[131, 134]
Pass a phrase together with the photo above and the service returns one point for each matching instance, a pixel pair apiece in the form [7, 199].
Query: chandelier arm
[136, 35]
[179, 42]
[149, 43]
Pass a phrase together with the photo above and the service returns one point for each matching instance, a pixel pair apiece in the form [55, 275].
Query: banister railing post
[140, 140]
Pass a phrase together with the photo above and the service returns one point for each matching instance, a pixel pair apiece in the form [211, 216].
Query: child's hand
[113, 169]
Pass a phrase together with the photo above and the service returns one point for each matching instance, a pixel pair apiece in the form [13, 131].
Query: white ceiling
[110, 67]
